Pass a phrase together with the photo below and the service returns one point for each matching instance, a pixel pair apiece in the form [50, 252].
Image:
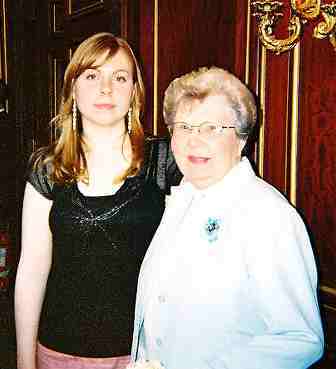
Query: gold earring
[74, 115]
[129, 121]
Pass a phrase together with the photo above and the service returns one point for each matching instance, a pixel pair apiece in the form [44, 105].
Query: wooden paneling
[146, 56]
[84, 18]
[276, 121]
[82, 6]
[316, 195]
[8, 147]
[297, 94]
[190, 34]
[316, 162]
[70, 22]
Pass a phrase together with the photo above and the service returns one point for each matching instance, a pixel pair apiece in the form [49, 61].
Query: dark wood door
[70, 22]
[8, 143]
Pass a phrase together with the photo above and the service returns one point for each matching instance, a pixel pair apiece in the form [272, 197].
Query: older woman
[229, 280]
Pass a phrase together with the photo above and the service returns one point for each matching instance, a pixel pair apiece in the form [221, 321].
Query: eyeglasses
[205, 130]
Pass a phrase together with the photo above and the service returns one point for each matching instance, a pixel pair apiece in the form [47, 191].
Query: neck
[110, 139]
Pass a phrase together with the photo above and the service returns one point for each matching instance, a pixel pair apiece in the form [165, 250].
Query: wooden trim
[329, 307]
[99, 4]
[262, 97]
[248, 40]
[124, 19]
[156, 67]
[329, 290]
[4, 64]
[294, 123]
[56, 17]
[3, 53]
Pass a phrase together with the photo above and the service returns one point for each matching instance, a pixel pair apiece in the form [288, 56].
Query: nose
[194, 138]
[106, 85]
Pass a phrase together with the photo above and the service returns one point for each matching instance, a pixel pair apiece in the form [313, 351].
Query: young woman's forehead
[119, 58]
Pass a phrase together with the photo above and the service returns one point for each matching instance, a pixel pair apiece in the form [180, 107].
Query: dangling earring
[129, 121]
[74, 115]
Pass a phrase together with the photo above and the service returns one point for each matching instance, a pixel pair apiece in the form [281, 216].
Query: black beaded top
[98, 246]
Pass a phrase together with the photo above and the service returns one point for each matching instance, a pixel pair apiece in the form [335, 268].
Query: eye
[182, 126]
[121, 77]
[91, 74]
[208, 127]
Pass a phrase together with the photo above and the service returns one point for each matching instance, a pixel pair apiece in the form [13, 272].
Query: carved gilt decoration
[301, 12]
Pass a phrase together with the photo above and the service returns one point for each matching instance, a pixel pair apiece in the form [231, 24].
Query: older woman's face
[206, 160]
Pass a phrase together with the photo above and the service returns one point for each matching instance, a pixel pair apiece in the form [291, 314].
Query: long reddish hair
[67, 153]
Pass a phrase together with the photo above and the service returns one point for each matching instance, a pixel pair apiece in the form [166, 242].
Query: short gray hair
[204, 82]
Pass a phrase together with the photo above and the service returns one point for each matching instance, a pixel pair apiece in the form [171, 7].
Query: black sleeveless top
[98, 247]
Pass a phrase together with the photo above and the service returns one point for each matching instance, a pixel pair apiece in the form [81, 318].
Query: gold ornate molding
[327, 27]
[301, 12]
[309, 9]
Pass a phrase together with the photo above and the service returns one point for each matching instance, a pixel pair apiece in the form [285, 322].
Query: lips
[104, 106]
[198, 159]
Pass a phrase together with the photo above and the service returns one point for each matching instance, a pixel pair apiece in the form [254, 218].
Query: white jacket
[229, 281]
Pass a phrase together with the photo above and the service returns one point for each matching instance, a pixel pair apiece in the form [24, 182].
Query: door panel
[71, 22]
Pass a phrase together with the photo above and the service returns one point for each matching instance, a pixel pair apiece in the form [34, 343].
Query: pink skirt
[49, 359]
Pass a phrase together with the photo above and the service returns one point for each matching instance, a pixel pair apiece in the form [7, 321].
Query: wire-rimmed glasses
[206, 130]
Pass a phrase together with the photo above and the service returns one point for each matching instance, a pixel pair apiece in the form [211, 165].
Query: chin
[196, 181]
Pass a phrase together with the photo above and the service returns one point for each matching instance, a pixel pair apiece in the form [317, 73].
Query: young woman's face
[104, 92]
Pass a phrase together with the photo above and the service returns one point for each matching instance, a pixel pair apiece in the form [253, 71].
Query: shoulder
[265, 193]
[259, 203]
[269, 209]
[269, 196]
[39, 173]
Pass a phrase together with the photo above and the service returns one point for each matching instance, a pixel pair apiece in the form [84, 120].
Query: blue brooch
[211, 229]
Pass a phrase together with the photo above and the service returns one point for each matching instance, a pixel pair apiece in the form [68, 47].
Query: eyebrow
[97, 67]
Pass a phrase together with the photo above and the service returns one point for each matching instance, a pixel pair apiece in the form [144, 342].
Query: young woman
[92, 203]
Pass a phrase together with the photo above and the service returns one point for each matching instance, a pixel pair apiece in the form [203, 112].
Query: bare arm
[32, 274]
